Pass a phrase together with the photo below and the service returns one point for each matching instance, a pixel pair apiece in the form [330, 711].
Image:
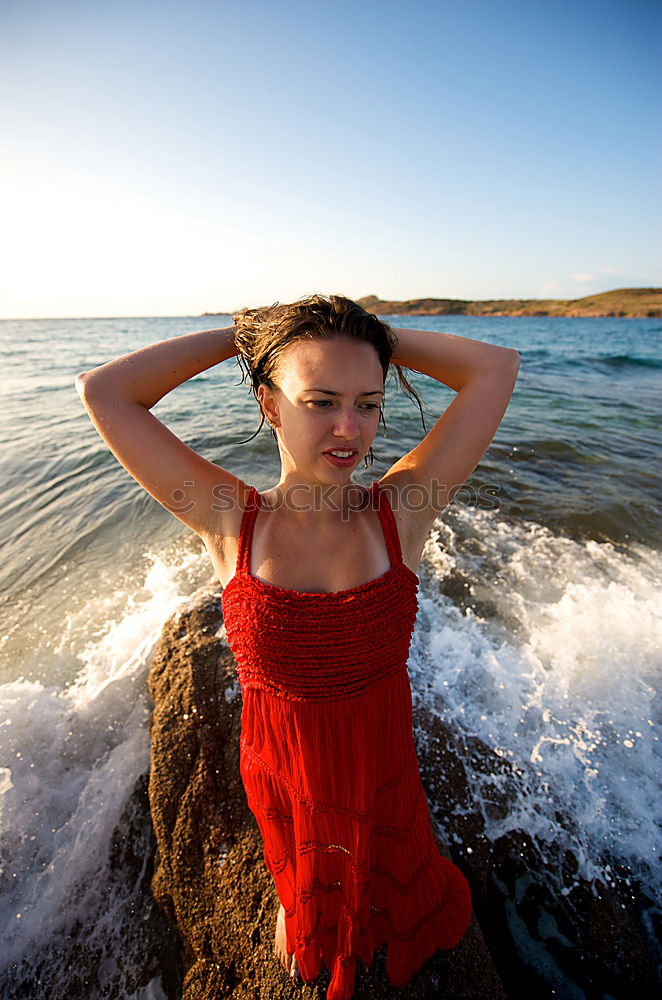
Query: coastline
[620, 303]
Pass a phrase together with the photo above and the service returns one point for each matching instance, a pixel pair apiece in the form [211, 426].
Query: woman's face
[326, 408]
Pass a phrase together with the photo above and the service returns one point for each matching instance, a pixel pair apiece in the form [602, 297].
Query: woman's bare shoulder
[229, 497]
[414, 514]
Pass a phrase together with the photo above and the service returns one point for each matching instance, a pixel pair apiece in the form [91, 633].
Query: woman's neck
[326, 502]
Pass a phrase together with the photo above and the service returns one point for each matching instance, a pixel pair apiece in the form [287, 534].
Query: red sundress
[329, 766]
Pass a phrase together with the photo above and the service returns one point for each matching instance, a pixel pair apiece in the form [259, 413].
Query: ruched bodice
[320, 646]
[329, 766]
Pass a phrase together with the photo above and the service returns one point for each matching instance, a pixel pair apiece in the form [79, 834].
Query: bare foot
[288, 962]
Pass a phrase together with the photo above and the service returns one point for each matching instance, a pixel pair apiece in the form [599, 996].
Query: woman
[319, 602]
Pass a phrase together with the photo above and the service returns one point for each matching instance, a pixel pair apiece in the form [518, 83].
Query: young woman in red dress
[319, 603]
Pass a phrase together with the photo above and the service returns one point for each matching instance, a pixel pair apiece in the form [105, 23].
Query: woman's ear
[268, 405]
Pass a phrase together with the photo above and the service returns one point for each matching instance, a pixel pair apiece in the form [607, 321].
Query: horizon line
[633, 288]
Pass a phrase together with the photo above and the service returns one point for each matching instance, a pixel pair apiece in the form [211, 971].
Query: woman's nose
[346, 424]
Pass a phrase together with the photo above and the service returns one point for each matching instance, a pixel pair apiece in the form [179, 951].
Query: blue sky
[167, 158]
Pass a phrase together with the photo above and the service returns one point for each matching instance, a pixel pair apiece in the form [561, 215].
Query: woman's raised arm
[147, 375]
[483, 376]
[118, 396]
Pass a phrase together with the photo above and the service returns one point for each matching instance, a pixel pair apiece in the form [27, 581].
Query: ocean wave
[626, 361]
[547, 361]
[547, 650]
[75, 759]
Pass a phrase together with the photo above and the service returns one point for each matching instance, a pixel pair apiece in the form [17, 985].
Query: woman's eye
[328, 402]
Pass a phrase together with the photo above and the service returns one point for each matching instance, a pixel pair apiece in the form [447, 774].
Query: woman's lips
[341, 463]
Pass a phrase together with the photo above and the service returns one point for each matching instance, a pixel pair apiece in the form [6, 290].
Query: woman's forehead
[305, 357]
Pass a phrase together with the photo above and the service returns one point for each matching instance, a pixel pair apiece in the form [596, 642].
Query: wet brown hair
[263, 333]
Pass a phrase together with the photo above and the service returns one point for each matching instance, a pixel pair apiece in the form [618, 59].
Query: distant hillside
[641, 303]
[632, 302]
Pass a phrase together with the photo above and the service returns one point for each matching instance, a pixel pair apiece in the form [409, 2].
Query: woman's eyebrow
[332, 392]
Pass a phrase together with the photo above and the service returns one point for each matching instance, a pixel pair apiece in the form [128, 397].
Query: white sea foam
[562, 680]
[70, 759]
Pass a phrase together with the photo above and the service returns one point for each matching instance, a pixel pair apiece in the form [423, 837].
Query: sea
[539, 632]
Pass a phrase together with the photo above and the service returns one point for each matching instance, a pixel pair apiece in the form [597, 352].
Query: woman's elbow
[80, 381]
[510, 361]
[85, 383]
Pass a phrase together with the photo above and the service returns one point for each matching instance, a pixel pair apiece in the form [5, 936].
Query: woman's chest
[311, 561]
[308, 563]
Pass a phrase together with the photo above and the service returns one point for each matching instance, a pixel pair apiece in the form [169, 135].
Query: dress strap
[389, 527]
[246, 531]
